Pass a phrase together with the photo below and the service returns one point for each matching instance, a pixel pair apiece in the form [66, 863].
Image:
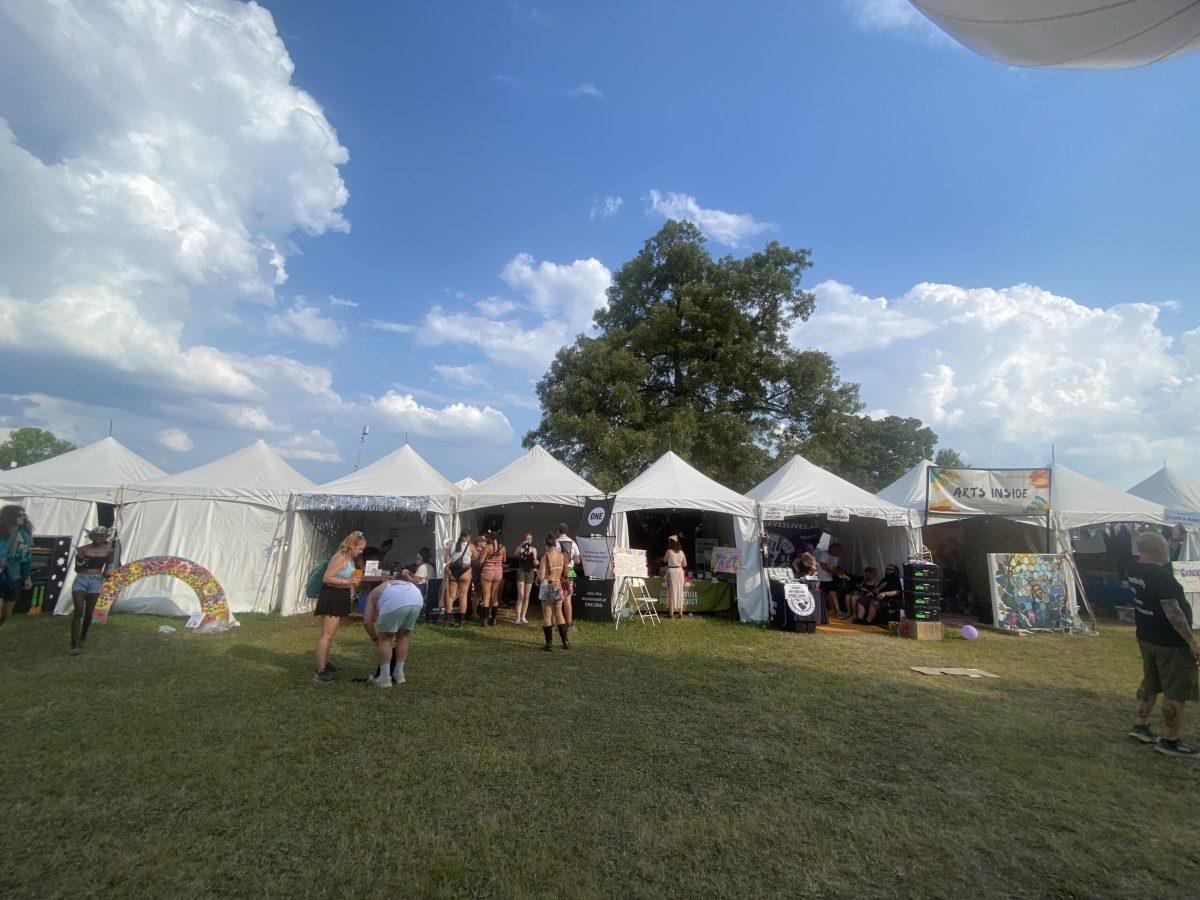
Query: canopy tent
[228, 515]
[466, 483]
[1180, 498]
[799, 488]
[670, 483]
[400, 496]
[1071, 34]
[63, 495]
[534, 491]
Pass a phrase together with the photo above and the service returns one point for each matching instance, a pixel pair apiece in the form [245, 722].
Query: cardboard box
[921, 631]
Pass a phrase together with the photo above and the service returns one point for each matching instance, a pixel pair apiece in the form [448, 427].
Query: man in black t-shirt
[1170, 653]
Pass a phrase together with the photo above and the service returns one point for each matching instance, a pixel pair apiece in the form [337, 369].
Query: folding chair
[636, 596]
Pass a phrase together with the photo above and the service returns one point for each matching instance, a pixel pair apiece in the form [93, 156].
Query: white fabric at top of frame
[535, 477]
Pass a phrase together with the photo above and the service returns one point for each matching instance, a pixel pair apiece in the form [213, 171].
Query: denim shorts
[87, 583]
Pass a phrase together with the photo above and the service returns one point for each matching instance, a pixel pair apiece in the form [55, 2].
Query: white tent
[1175, 492]
[466, 483]
[228, 515]
[799, 488]
[62, 493]
[534, 493]
[400, 496]
[670, 483]
[1073, 34]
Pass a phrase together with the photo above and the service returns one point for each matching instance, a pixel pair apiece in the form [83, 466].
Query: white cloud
[587, 89]
[306, 323]
[573, 292]
[606, 207]
[891, 16]
[462, 376]
[393, 327]
[455, 422]
[1002, 374]
[176, 439]
[340, 302]
[728, 228]
[495, 306]
[154, 163]
[310, 445]
[509, 81]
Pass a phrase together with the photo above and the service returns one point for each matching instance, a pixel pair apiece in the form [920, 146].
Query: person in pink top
[491, 576]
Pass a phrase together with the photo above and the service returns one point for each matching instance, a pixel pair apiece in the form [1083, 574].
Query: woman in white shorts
[551, 572]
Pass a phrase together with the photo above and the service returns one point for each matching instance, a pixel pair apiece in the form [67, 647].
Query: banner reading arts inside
[989, 492]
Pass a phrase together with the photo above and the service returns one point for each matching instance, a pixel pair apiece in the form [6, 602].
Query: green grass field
[695, 758]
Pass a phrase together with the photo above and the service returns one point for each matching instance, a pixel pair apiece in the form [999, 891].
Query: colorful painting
[214, 608]
[1032, 591]
[726, 559]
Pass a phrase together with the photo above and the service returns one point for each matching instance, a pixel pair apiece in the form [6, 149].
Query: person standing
[16, 557]
[827, 563]
[393, 609]
[674, 561]
[491, 577]
[335, 601]
[573, 564]
[458, 576]
[93, 561]
[527, 561]
[1169, 650]
[550, 573]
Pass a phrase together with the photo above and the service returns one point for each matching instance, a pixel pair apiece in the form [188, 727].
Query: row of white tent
[260, 526]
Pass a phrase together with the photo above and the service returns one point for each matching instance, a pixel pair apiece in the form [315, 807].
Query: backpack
[315, 580]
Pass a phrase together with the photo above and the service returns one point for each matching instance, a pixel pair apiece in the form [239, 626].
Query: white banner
[1177, 516]
[630, 563]
[597, 562]
[897, 519]
[1188, 575]
[989, 492]
[774, 513]
[838, 515]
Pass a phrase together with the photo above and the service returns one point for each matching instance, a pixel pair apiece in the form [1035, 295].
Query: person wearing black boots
[550, 571]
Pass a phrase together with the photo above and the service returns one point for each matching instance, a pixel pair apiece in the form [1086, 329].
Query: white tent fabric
[1175, 492]
[466, 483]
[800, 488]
[228, 515]
[670, 483]
[1071, 34]
[61, 493]
[374, 496]
[535, 477]
[909, 490]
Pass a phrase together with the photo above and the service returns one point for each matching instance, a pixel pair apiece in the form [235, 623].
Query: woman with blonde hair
[673, 562]
[458, 575]
[336, 600]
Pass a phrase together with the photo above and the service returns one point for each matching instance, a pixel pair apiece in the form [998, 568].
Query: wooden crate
[922, 631]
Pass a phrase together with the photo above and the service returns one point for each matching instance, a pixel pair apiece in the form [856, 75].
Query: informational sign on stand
[630, 563]
[704, 548]
[726, 559]
[593, 599]
[597, 560]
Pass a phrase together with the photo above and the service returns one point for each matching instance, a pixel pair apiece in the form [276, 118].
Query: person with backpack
[458, 560]
[335, 600]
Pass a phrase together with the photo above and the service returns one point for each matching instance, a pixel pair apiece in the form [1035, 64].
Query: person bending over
[393, 609]
[1169, 650]
[16, 542]
[527, 561]
[550, 572]
[335, 601]
[93, 561]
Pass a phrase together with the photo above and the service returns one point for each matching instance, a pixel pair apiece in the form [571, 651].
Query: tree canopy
[950, 458]
[692, 354]
[30, 445]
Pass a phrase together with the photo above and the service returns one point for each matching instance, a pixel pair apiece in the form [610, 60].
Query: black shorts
[10, 591]
[334, 600]
[1170, 671]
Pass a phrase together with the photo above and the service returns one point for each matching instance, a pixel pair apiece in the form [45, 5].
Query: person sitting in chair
[879, 597]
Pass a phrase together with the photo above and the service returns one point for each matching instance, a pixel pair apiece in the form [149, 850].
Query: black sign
[786, 539]
[596, 514]
[593, 599]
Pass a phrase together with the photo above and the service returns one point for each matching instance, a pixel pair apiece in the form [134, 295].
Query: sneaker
[332, 669]
[74, 651]
[1174, 748]
[380, 681]
[398, 678]
[324, 677]
[1144, 734]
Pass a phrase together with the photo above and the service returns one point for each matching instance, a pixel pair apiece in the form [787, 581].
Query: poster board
[988, 492]
[726, 559]
[630, 563]
[704, 549]
[1188, 575]
[597, 560]
[1032, 591]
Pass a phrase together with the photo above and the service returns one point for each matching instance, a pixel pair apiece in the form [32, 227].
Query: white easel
[636, 596]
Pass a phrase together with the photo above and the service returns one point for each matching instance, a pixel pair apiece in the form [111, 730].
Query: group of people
[865, 599]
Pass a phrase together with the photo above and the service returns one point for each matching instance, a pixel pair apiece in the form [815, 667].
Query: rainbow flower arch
[214, 608]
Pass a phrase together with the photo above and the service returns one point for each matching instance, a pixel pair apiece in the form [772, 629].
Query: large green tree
[692, 355]
[950, 458]
[30, 445]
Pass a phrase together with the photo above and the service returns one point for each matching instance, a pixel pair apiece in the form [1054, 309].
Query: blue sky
[1007, 254]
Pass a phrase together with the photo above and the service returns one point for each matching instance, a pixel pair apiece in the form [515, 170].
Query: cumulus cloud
[607, 207]
[573, 292]
[495, 306]
[306, 323]
[1002, 373]
[731, 229]
[176, 439]
[587, 89]
[398, 412]
[309, 445]
[153, 165]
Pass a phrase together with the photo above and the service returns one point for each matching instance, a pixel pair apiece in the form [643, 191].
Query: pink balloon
[970, 632]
